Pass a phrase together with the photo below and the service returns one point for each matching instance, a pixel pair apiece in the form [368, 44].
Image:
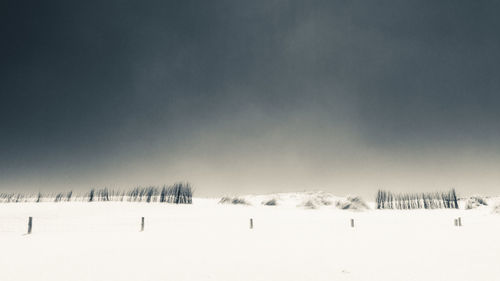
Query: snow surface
[211, 241]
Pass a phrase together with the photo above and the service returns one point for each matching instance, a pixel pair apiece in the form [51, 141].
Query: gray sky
[250, 96]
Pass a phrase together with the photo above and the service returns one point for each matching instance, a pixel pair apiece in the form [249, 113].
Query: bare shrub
[474, 202]
[91, 195]
[271, 202]
[68, 196]
[325, 202]
[352, 203]
[233, 200]
[309, 204]
[315, 200]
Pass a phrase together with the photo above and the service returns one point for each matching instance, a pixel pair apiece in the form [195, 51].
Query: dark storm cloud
[438, 76]
[89, 82]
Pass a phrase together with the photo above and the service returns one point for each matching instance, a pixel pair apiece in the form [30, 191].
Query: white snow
[210, 241]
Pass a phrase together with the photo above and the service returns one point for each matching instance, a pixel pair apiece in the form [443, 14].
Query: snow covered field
[211, 241]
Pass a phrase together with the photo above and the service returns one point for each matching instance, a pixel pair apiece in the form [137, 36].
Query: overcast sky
[250, 96]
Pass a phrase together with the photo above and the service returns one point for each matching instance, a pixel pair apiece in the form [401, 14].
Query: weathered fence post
[352, 222]
[456, 222]
[142, 224]
[30, 224]
[459, 221]
[251, 223]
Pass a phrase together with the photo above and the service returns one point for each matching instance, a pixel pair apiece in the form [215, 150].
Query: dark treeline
[178, 193]
[407, 201]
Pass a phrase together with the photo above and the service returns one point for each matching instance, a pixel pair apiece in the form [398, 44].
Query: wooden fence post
[459, 221]
[142, 224]
[352, 222]
[251, 223]
[30, 224]
[456, 222]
